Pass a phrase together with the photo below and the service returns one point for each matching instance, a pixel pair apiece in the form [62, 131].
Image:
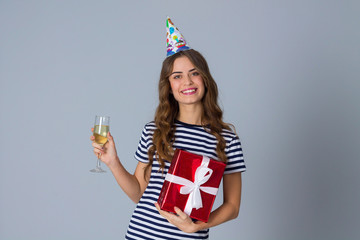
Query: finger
[97, 152]
[110, 138]
[97, 146]
[92, 129]
[92, 138]
[169, 216]
[180, 213]
[159, 209]
[99, 156]
[157, 206]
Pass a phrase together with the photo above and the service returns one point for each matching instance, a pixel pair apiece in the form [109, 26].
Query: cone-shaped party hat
[175, 41]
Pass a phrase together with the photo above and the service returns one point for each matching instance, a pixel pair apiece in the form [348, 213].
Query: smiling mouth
[189, 91]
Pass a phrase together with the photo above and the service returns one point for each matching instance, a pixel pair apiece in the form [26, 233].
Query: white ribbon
[202, 175]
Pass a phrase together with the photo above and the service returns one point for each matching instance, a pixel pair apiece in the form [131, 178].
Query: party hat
[175, 41]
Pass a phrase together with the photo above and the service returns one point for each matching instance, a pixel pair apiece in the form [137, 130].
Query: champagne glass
[101, 129]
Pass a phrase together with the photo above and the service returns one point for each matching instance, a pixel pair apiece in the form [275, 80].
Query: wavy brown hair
[168, 110]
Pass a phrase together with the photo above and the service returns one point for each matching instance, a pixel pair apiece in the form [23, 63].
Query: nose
[188, 79]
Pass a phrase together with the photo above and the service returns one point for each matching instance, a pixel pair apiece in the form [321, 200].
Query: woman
[188, 117]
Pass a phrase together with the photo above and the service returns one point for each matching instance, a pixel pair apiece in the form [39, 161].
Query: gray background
[288, 73]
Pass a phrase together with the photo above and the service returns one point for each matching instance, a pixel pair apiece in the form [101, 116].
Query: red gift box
[191, 184]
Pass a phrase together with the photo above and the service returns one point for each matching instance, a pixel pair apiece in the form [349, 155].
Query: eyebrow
[191, 70]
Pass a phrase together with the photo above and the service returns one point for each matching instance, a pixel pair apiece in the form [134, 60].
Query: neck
[191, 114]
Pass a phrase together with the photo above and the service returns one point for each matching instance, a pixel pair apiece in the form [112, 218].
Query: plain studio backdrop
[288, 75]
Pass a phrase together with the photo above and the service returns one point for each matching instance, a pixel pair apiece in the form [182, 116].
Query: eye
[195, 74]
[177, 76]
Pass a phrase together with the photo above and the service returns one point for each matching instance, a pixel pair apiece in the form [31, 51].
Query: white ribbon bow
[202, 175]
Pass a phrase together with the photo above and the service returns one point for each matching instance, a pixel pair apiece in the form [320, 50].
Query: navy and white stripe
[146, 222]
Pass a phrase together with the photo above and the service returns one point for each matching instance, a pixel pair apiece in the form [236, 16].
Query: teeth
[189, 91]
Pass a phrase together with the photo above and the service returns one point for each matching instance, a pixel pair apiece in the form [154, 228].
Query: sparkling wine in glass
[101, 129]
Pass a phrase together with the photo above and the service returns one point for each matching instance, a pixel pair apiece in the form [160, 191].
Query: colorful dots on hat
[175, 41]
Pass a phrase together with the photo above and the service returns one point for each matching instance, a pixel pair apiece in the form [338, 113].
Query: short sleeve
[235, 157]
[145, 143]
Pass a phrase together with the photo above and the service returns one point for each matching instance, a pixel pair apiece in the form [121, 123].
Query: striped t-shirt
[146, 222]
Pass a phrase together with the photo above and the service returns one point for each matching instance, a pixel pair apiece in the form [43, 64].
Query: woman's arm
[132, 184]
[230, 208]
[227, 211]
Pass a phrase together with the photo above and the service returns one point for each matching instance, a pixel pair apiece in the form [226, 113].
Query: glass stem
[98, 163]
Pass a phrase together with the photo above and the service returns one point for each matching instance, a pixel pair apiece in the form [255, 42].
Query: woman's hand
[181, 220]
[107, 153]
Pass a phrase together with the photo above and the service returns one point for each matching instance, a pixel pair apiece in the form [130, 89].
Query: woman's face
[186, 82]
